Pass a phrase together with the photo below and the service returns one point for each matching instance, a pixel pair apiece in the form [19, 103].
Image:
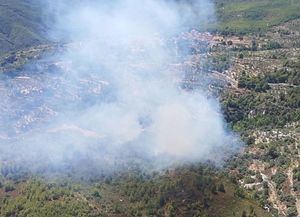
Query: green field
[258, 15]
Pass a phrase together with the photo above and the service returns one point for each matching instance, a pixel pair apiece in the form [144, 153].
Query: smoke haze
[114, 93]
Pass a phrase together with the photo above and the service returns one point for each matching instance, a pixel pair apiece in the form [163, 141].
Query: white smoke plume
[125, 99]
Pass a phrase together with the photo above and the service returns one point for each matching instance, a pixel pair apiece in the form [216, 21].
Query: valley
[252, 67]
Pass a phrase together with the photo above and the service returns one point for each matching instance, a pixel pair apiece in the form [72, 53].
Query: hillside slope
[21, 25]
[243, 17]
[187, 191]
[262, 104]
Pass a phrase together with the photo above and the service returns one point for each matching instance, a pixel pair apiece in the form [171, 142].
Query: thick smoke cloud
[119, 69]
